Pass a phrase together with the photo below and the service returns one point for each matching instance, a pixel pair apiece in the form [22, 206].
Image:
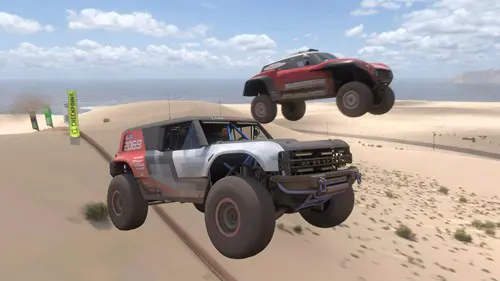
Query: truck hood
[292, 144]
[377, 65]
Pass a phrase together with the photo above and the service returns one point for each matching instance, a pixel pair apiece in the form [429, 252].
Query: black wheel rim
[350, 100]
[260, 109]
[117, 203]
[227, 217]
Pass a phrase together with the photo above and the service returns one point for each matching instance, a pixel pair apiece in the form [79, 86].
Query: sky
[235, 38]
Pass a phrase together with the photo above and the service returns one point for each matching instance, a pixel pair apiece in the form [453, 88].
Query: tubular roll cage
[311, 200]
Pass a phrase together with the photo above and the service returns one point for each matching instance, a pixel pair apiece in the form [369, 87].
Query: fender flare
[257, 82]
[265, 166]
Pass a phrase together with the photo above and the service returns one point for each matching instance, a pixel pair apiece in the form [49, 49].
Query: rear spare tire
[293, 111]
[239, 217]
[263, 109]
[335, 211]
[354, 99]
[383, 101]
[126, 207]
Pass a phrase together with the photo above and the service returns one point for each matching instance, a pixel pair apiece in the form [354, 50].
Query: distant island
[490, 76]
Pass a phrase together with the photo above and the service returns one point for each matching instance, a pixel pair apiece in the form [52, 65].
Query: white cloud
[15, 24]
[86, 43]
[364, 12]
[191, 44]
[141, 22]
[90, 54]
[371, 7]
[455, 31]
[357, 30]
[376, 50]
[245, 42]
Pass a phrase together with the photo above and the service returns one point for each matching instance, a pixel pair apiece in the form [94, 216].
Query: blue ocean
[93, 93]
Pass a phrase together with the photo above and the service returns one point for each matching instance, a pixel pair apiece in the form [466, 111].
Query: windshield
[217, 131]
[325, 56]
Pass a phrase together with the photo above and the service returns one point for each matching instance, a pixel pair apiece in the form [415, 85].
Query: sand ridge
[403, 184]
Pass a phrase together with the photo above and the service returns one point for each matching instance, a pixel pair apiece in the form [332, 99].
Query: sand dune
[468, 125]
[21, 124]
[433, 192]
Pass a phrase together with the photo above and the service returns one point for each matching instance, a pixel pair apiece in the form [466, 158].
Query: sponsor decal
[132, 145]
[305, 84]
[138, 163]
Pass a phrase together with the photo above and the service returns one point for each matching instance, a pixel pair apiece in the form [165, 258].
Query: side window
[180, 137]
[191, 139]
[291, 63]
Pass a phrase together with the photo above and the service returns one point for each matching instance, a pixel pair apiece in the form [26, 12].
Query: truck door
[179, 164]
[299, 82]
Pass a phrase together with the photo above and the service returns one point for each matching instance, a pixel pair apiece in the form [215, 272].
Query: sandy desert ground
[433, 193]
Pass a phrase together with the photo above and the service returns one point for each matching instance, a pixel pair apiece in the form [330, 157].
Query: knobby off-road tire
[199, 207]
[126, 206]
[293, 111]
[239, 217]
[354, 99]
[383, 101]
[336, 211]
[263, 109]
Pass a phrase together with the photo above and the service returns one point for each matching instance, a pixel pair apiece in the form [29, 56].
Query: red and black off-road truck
[358, 86]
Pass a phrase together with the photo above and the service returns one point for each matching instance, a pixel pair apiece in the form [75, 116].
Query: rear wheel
[293, 111]
[354, 99]
[239, 217]
[383, 101]
[263, 109]
[126, 207]
[335, 211]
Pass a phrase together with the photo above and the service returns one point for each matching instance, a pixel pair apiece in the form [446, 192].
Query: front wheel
[127, 207]
[263, 109]
[239, 217]
[354, 99]
[335, 211]
[293, 111]
[383, 102]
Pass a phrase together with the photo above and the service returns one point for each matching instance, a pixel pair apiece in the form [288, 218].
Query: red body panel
[133, 151]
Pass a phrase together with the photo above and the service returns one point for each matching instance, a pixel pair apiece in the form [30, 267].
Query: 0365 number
[132, 145]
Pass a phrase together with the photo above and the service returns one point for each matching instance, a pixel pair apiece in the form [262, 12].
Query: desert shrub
[490, 231]
[462, 235]
[298, 229]
[443, 190]
[405, 232]
[96, 211]
[390, 194]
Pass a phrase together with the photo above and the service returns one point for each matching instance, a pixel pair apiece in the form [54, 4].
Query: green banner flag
[74, 127]
[48, 117]
[34, 122]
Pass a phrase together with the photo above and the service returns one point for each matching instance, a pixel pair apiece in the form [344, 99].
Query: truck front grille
[314, 161]
[384, 75]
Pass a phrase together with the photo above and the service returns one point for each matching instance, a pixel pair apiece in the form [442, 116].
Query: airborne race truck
[359, 87]
[234, 172]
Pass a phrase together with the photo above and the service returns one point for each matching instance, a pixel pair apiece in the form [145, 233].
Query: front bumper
[319, 184]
